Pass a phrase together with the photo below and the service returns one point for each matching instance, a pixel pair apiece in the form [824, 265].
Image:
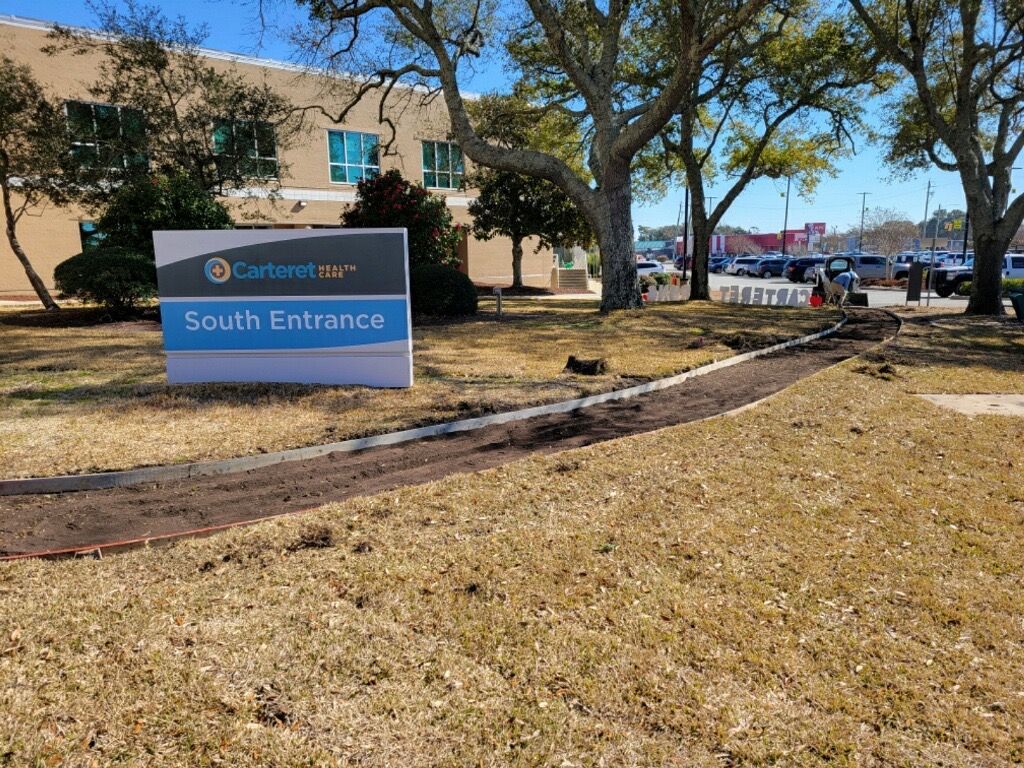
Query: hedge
[441, 291]
[116, 278]
[1015, 285]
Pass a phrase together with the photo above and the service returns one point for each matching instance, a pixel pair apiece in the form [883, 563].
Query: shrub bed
[441, 291]
[115, 278]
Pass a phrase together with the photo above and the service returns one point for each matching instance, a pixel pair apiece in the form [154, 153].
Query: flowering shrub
[392, 201]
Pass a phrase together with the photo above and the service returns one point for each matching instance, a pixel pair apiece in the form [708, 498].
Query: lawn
[95, 398]
[831, 578]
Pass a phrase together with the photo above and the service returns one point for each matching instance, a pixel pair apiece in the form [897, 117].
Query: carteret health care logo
[217, 270]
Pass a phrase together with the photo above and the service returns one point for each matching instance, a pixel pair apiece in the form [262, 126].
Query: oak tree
[778, 99]
[961, 109]
[573, 57]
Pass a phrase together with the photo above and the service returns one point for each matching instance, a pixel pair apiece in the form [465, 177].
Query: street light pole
[863, 204]
[785, 218]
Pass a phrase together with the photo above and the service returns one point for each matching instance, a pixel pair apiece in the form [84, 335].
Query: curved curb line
[100, 480]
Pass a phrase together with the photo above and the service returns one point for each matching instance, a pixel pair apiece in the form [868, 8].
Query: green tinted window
[106, 136]
[442, 165]
[245, 148]
[352, 156]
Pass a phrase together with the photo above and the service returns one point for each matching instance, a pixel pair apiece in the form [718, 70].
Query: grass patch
[95, 398]
[942, 353]
[832, 578]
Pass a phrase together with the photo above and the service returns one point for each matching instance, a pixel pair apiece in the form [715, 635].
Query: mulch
[88, 520]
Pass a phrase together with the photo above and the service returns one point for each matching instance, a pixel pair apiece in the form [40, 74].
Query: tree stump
[583, 367]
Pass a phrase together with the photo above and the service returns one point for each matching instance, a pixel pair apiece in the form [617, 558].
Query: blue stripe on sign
[251, 324]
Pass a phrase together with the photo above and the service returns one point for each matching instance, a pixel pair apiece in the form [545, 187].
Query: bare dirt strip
[88, 520]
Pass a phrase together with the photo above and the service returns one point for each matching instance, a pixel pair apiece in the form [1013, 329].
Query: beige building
[319, 169]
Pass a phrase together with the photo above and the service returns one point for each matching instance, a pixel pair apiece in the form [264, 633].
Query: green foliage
[34, 148]
[389, 200]
[514, 122]
[940, 219]
[143, 204]
[441, 291]
[1010, 285]
[116, 278]
[518, 206]
[155, 66]
[34, 156]
[664, 232]
[805, 156]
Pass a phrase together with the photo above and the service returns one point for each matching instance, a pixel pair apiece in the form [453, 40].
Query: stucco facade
[305, 197]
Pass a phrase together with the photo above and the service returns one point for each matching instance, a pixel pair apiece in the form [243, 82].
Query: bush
[116, 278]
[155, 202]
[392, 201]
[1015, 285]
[439, 291]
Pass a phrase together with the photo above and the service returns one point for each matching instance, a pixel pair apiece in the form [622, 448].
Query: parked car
[649, 267]
[770, 267]
[948, 279]
[717, 264]
[741, 265]
[901, 263]
[869, 266]
[796, 268]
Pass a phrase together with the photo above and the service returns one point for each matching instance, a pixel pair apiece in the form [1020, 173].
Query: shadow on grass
[987, 343]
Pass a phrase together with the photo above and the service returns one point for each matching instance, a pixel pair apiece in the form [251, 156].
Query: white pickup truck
[947, 279]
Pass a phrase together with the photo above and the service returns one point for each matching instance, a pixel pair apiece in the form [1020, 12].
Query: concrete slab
[980, 405]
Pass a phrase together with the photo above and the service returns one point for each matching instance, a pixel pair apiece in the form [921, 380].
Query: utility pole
[967, 229]
[924, 224]
[707, 209]
[785, 218]
[863, 204]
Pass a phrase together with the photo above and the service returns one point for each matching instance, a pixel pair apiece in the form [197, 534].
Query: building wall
[307, 197]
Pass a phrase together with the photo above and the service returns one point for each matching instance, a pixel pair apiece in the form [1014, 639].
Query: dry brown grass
[935, 347]
[832, 578]
[90, 399]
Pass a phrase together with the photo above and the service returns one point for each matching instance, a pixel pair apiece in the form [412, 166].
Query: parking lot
[877, 297]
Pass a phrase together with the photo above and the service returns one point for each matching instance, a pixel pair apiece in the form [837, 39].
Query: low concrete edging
[101, 480]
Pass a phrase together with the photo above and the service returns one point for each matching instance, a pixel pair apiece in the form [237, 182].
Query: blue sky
[232, 27]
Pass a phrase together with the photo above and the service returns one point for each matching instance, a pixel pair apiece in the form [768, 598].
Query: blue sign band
[252, 324]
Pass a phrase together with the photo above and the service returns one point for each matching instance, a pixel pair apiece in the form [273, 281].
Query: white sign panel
[789, 297]
[304, 306]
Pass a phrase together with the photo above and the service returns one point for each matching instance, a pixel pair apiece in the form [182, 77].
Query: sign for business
[304, 306]
[766, 296]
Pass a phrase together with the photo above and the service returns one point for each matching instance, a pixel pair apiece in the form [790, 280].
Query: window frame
[345, 164]
[435, 172]
[96, 142]
[258, 159]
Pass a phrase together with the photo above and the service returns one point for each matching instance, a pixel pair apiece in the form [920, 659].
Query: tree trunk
[620, 288]
[517, 262]
[987, 279]
[700, 282]
[12, 238]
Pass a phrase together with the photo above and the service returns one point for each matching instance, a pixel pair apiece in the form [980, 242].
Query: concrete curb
[101, 480]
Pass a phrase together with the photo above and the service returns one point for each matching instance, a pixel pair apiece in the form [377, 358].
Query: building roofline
[26, 22]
